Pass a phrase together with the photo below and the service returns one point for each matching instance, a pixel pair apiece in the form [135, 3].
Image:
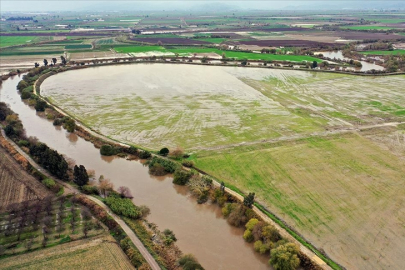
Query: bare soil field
[16, 185]
[95, 55]
[21, 61]
[68, 33]
[356, 35]
[94, 253]
[177, 41]
[287, 43]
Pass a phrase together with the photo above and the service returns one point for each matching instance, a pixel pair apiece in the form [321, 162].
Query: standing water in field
[200, 229]
[366, 66]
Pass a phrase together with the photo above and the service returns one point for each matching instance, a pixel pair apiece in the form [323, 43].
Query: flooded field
[199, 107]
[292, 137]
[200, 229]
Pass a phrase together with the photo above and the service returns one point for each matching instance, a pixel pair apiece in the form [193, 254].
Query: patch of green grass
[400, 113]
[6, 41]
[310, 183]
[394, 52]
[78, 46]
[387, 20]
[368, 27]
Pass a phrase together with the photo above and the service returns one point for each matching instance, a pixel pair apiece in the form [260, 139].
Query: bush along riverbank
[159, 164]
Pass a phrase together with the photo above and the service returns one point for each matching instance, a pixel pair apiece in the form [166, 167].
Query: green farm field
[228, 54]
[292, 137]
[6, 41]
[395, 52]
[368, 27]
[94, 253]
[341, 192]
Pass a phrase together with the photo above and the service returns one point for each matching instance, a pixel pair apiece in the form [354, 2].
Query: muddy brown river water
[200, 229]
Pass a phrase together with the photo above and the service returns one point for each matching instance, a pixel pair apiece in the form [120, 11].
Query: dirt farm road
[71, 190]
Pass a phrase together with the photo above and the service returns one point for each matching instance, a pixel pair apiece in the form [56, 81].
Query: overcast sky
[95, 5]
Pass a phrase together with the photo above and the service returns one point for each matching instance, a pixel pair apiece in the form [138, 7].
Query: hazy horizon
[102, 6]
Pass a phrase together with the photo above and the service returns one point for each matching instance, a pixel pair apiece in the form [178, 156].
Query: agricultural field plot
[6, 41]
[234, 105]
[78, 46]
[15, 184]
[394, 52]
[33, 50]
[100, 252]
[368, 27]
[106, 41]
[24, 61]
[352, 100]
[213, 40]
[162, 108]
[189, 51]
[344, 194]
[74, 55]
[44, 223]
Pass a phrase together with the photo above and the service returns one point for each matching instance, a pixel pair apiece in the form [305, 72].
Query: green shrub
[164, 151]
[285, 257]
[107, 150]
[123, 206]
[49, 183]
[189, 262]
[247, 235]
[9, 130]
[144, 154]
[132, 150]
[251, 223]
[26, 93]
[70, 125]
[228, 208]
[40, 105]
[181, 177]
[88, 189]
[57, 122]
[22, 84]
[188, 163]
[169, 237]
[168, 166]
[23, 143]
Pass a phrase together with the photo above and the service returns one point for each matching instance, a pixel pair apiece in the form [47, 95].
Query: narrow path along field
[69, 189]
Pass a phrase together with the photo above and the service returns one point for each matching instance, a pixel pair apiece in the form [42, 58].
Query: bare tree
[105, 187]
[47, 221]
[177, 153]
[87, 227]
[125, 192]
[86, 214]
[28, 244]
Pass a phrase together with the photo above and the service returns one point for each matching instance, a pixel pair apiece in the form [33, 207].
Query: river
[200, 229]
[366, 66]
